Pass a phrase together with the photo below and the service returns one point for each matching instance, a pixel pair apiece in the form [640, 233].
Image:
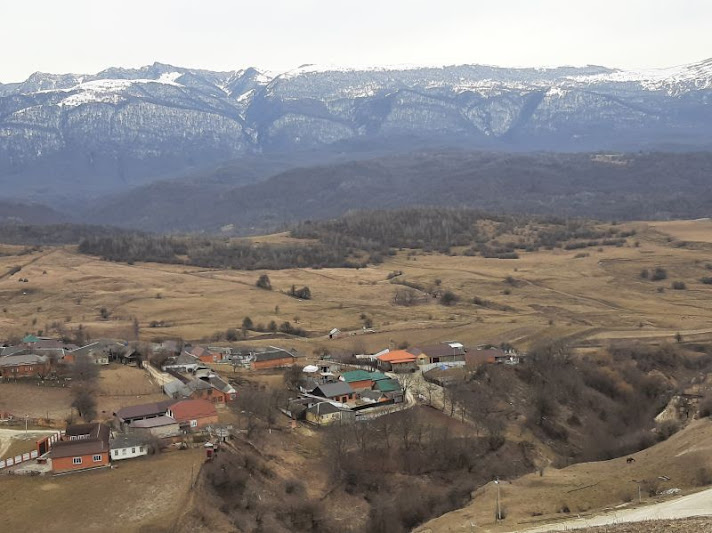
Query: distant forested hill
[600, 186]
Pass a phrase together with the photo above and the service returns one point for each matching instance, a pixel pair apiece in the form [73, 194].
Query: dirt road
[698, 504]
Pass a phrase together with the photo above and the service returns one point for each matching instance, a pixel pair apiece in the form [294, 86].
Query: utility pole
[499, 509]
[640, 499]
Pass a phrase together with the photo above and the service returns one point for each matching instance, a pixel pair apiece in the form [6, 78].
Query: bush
[703, 477]
[667, 429]
[448, 298]
[303, 294]
[707, 280]
[679, 285]
[659, 274]
[263, 282]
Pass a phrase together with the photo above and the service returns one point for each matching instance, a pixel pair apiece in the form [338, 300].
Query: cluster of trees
[214, 252]
[53, 234]
[588, 409]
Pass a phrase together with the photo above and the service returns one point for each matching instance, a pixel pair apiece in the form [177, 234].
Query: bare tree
[84, 402]
[84, 369]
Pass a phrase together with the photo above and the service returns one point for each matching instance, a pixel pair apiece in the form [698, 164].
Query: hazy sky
[85, 36]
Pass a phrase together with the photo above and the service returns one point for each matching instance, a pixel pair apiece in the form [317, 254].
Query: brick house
[84, 446]
[274, 358]
[193, 414]
[24, 366]
[358, 379]
[397, 361]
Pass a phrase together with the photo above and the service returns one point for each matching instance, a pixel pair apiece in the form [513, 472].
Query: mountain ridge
[72, 138]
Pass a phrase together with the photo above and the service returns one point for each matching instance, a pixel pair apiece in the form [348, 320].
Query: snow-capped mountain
[106, 132]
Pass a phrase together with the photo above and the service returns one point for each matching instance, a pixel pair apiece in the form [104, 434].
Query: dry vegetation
[143, 495]
[588, 297]
[596, 294]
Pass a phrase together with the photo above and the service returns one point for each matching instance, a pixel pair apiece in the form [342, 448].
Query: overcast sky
[86, 36]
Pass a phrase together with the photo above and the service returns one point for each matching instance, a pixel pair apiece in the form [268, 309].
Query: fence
[45, 444]
[449, 364]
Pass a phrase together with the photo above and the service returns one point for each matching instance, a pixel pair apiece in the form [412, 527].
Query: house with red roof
[397, 361]
[193, 414]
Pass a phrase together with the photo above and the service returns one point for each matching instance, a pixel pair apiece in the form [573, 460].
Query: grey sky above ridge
[86, 36]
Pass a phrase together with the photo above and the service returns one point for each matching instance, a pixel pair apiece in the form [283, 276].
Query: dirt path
[698, 504]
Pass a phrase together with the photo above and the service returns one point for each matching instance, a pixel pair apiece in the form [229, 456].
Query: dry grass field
[592, 293]
[586, 487]
[118, 386]
[146, 495]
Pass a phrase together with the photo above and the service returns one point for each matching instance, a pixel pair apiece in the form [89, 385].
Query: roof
[356, 375]
[172, 388]
[272, 355]
[323, 408]
[95, 431]
[377, 376]
[145, 409]
[388, 385]
[23, 359]
[443, 349]
[373, 395]
[330, 390]
[156, 422]
[30, 338]
[186, 359]
[74, 448]
[126, 440]
[97, 442]
[397, 356]
[192, 409]
[221, 384]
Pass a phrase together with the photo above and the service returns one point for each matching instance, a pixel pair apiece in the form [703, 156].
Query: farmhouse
[24, 365]
[100, 351]
[129, 415]
[397, 361]
[339, 392]
[446, 352]
[193, 414]
[273, 358]
[84, 446]
[205, 355]
[323, 414]
[358, 379]
[125, 446]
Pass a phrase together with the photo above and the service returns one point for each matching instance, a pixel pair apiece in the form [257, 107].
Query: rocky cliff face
[63, 135]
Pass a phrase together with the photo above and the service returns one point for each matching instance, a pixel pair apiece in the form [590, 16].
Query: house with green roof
[358, 379]
[391, 388]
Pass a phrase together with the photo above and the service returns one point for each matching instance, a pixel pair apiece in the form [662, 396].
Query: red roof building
[193, 414]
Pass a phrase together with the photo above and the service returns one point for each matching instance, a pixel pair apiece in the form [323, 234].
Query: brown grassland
[144, 495]
[592, 293]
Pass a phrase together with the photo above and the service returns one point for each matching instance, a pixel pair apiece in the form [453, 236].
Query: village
[202, 387]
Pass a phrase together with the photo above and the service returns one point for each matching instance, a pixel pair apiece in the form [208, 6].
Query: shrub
[263, 282]
[679, 285]
[448, 298]
[707, 280]
[303, 294]
[703, 477]
[659, 274]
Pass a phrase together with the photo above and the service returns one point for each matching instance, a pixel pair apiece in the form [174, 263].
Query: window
[133, 450]
[97, 458]
[77, 461]
[140, 449]
[123, 452]
[194, 423]
[115, 452]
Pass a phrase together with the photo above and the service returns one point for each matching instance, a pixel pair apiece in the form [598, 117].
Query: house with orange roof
[397, 361]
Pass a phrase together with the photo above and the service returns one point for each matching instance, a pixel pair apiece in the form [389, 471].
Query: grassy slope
[586, 487]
